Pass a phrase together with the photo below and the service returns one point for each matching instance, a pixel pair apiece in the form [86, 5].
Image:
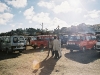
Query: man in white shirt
[56, 45]
[59, 51]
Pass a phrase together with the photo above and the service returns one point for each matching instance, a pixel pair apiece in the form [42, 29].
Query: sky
[23, 14]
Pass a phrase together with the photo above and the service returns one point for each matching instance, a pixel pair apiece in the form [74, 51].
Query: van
[13, 43]
[81, 42]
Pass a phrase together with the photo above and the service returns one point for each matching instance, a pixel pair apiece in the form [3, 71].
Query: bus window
[15, 39]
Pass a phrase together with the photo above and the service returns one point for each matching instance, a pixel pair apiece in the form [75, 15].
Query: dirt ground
[36, 62]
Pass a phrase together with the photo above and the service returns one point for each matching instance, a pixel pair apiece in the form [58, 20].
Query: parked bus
[64, 39]
[81, 42]
[41, 41]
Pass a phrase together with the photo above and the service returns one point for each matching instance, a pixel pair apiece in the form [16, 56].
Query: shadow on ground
[83, 57]
[33, 50]
[4, 56]
[47, 66]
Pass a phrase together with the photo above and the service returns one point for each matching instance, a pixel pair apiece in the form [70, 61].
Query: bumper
[19, 48]
[97, 46]
[73, 47]
[98, 50]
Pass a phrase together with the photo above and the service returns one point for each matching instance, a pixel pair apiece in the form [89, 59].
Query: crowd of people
[55, 47]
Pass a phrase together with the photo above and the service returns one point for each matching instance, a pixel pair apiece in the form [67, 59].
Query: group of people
[55, 47]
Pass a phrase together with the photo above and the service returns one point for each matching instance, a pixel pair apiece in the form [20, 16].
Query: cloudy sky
[32, 13]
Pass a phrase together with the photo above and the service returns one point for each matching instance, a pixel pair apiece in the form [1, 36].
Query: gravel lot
[76, 63]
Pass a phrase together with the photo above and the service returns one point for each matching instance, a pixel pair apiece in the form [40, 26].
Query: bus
[81, 42]
[41, 41]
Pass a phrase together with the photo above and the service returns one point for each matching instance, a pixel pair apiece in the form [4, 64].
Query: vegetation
[64, 30]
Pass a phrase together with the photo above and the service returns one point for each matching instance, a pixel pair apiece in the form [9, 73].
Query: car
[98, 41]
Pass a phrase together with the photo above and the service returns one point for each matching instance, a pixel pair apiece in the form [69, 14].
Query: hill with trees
[64, 30]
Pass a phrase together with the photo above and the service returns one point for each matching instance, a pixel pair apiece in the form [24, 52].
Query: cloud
[5, 17]
[29, 13]
[39, 17]
[30, 21]
[78, 10]
[63, 7]
[3, 7]
[17, 3]
[54, 24]
[93, 14]
[57, 21]
[12, 25]
[49, 5]
[43, 18]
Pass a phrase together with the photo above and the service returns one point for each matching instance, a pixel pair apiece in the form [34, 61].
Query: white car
[98, 42]
[13, 43]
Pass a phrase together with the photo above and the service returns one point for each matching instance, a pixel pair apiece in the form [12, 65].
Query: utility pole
[42, 26]
[58, 30]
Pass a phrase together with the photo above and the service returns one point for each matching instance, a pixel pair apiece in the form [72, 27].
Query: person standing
[0, 44]
[56, 45]
[51, 47]
[28, 40]
[59, 51]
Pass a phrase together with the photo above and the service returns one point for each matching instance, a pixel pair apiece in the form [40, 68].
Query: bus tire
[20, 51]
[71, 51]
[34, 46]
[94, 47]
[41, 46]
[83, 49]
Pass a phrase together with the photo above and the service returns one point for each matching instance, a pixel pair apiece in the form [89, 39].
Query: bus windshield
[74, 38]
